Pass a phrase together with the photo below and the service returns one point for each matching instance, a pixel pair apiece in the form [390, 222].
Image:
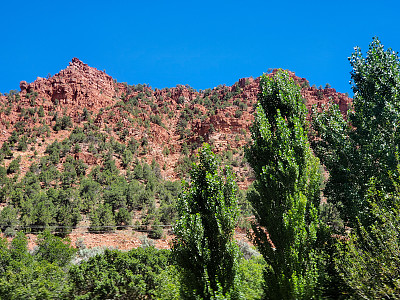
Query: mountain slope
[165, 125]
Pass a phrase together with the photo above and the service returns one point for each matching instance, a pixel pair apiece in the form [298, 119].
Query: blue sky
[202, 43]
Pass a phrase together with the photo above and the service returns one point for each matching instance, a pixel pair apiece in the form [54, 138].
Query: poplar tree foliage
[369, 261]
[287, 193]
[204, 248]
[365, 144]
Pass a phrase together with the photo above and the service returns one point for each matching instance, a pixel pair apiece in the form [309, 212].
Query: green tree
[6, 151]
[204, 248]
[115, 194]
[22, 143]
[24, 277]
[126, 158]
[8, 217]
[365, 144]
[43, 211]
[63, 123]
[14, 166]
[54, 249]
[138, 171]
[286, 195]
[369, 260]
[89, 191]
[102, 219]
[123, 217]
[119, 275]
[41, 111]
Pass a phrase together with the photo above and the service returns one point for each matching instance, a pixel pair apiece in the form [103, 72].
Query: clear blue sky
[202, 43]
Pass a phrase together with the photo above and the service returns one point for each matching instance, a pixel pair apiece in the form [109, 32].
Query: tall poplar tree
[287, 191]
[204, 248]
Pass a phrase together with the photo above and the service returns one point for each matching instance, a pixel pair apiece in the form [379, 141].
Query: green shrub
[54, 249]
[115, 274]
[13, 167]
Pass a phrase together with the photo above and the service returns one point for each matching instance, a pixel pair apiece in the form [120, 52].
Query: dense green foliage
[287, 195]
[119, 275]
[365, 144]
[369, 262]
[204, 248]
[57, 190]
[55, 270]
[361, 154]
[32, 276]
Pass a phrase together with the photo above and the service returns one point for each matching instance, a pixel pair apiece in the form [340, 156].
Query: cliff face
[167, 124]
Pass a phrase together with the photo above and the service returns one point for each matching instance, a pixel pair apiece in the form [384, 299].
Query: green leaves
[116, 274]
[369, 260]
[365, 144]
[203, 248]
[287, 191]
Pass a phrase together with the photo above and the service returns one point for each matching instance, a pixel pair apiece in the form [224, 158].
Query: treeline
[59, 187]
[47, 197]
[56, 270]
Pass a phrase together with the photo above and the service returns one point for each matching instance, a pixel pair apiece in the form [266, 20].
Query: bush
[156, 230]
[115, 274]
[238, 113]
[54, 249]
[14, 166]
[63, 123]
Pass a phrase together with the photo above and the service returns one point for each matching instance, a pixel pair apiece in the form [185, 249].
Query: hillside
[163, 124]
[56, 131]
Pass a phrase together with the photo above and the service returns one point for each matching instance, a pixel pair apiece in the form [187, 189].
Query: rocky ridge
[167, 123]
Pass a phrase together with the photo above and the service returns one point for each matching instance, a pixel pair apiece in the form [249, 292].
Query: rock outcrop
[78, 85]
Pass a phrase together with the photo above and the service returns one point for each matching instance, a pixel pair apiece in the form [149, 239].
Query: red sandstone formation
[80, 86]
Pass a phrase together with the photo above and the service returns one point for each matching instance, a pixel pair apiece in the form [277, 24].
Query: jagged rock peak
[78, 84]
[76, 61]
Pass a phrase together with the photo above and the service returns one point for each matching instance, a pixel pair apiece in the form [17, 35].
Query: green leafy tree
[365, 144]
[43, 211]
[54, 249]
[119, 275]
[22, 143]
[369, 260]
[286, 196]
[102, 219]
[204, 248]
[123, 217]
[126, 158]
[63, 123]
[89, 191]
[8, 217]
[115, 194]
[6, 151]
[41, 111]
[138, 171]
[24, 277]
